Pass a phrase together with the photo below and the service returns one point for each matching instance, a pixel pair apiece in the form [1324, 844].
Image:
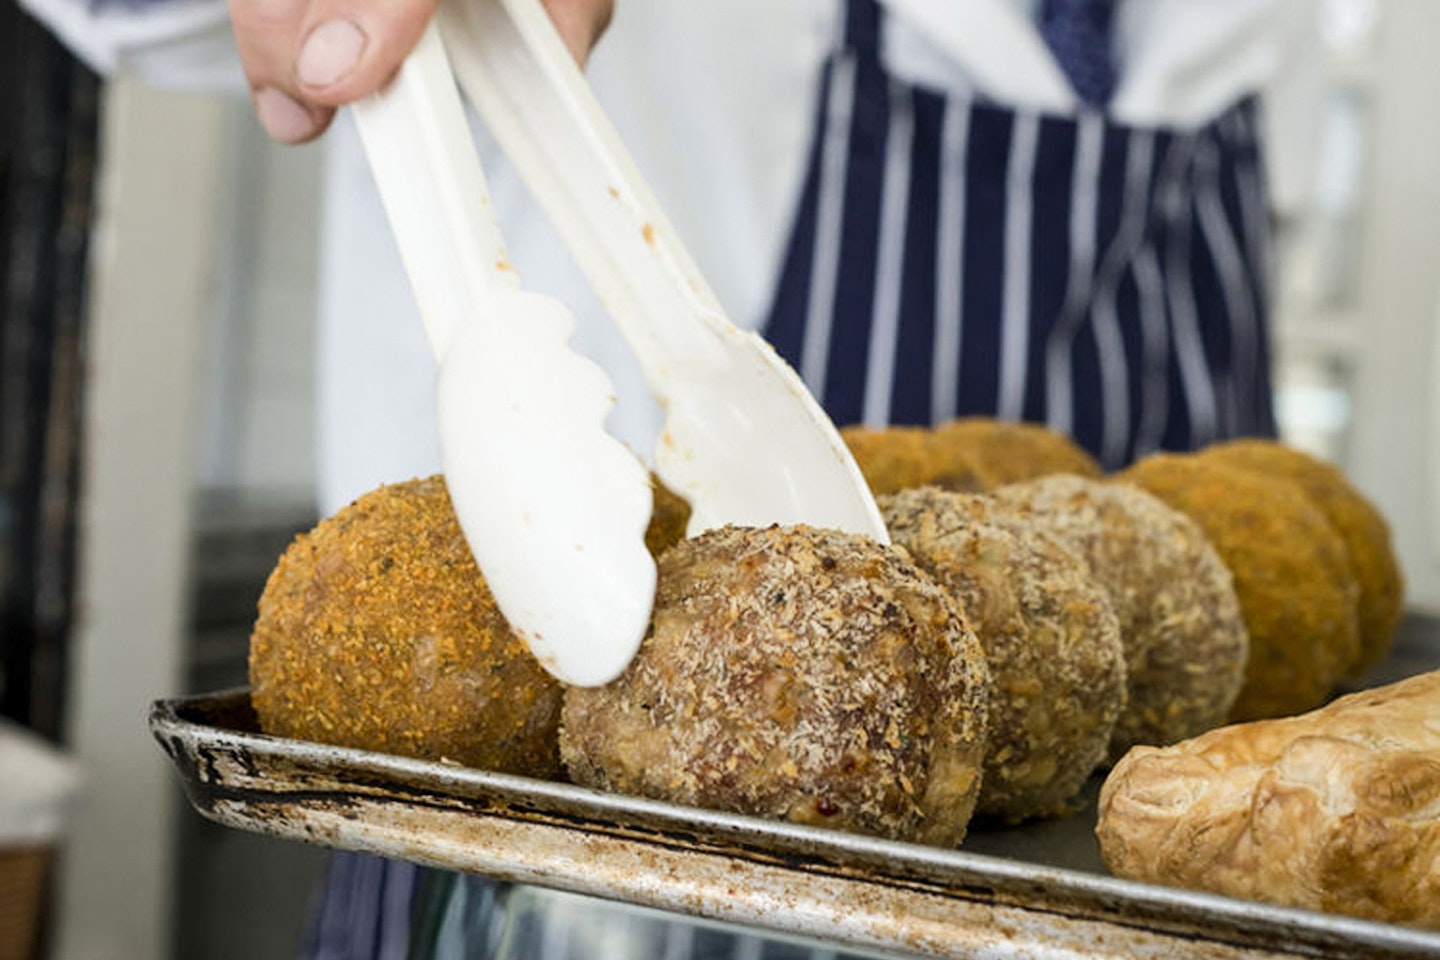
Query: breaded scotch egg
[1005, 451]
[669, 516]
[1180, 624]
[376, 630]
[1291, 570]
[900, 457]
[1050, 638]
[1355, 518]
[799, 674]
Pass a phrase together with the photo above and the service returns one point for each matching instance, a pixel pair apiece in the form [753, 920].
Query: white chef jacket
[714, 100]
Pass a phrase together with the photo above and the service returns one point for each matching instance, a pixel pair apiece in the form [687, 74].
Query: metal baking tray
[1035, 891]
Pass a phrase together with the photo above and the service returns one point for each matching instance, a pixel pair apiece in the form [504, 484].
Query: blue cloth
[365, 909]
[1078, 34]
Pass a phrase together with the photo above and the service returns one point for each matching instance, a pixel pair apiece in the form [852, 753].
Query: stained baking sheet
[1034, 891]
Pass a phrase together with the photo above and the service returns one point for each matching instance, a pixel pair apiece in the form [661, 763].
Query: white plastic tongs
[745, 442]
[553, 508]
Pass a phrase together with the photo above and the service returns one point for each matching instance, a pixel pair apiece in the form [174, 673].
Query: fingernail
[329, 53]
[282, 117]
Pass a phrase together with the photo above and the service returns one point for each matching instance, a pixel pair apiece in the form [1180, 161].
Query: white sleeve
[171, 43]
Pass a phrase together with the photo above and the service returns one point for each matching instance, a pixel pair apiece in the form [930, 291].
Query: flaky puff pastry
[1335, 810]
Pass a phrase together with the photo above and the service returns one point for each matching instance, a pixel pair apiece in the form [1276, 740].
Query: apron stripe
[830, 209]
[1015, 306]
[790, 302]
[950, 260]
[1114, 389]
[1155, 342]
[395, 908]
[1234, 286]
[679, 942]
[1253, 178]
[983, 295]
[911, 398]
[1116, 354]
[1241, 184]
[1130, 235]
[1249, 184]
[890, 259]
[1129, 271]
[856, 278]
[1051, 205]
[1084, 204]
[360, 882]
[1197, 393]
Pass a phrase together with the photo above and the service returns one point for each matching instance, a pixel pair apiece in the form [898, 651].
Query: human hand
[304, 58]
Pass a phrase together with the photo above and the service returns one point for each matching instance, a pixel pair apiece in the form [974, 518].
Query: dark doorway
[49, 106]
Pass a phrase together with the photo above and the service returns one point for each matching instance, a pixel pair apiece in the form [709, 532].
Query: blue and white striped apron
[952, 257]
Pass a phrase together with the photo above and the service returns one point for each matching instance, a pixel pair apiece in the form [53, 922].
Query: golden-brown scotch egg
[376, 630]
[1355, 518]
[1292, 575]
[1004, 451]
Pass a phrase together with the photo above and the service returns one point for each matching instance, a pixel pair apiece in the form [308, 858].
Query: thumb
[303, 58]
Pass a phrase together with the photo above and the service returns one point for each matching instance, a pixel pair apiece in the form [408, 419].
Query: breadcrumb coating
[971, 455]
[899, 458]
[376, 630]
[1050, 638]
[669, 517]
[1360, 525]
[1291, 572]
[800, 674]
[1174, 598]
[1005, 451]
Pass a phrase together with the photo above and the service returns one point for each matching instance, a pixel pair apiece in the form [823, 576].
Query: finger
[266, 35]
[303, 58]
[351, 48]
[580, 23]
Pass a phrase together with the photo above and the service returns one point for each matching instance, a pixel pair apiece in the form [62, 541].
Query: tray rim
[1064, 894]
